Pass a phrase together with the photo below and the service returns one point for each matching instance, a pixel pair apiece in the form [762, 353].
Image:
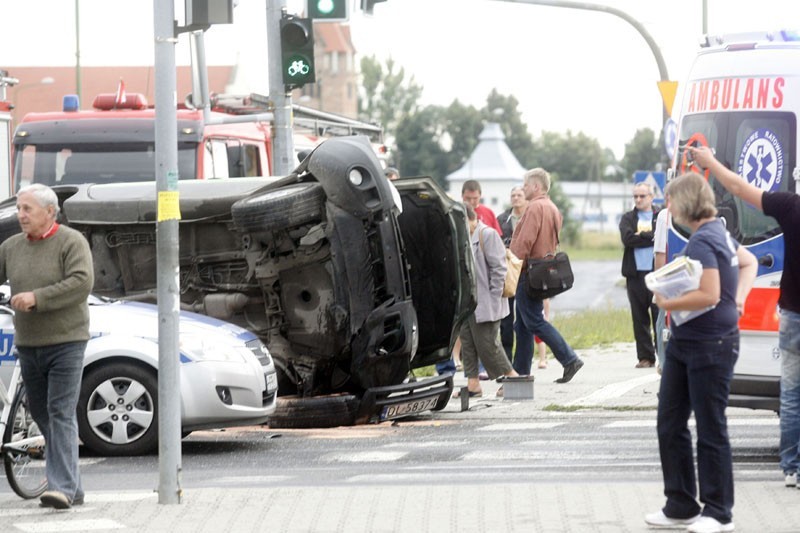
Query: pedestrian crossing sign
[656, 180]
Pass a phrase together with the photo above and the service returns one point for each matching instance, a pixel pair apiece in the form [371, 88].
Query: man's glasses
[637, 196]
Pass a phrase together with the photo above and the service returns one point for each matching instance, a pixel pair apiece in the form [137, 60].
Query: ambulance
[742, 99]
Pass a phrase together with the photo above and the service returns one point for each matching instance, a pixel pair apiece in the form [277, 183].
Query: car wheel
[118, 410]
[294, 412]
[282, 208]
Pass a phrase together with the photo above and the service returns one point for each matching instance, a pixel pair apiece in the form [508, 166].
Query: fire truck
[5, 134]
[115, 140]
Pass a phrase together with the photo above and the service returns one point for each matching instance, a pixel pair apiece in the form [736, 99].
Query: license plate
[407, 408]
[272, 381]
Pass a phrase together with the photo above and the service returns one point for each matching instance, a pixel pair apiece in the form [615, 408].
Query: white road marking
[101, 524]
[428, 444]
[651, 423]
[520, 426]
[252, 480]
[614, 390]
[366, 457]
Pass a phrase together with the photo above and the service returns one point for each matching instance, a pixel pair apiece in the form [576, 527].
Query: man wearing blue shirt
[636, 228]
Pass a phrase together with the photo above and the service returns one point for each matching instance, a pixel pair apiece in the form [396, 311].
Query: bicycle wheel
[24, 462]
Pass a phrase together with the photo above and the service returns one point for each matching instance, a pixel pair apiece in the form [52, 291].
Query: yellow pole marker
[668, 90]
[169, 207]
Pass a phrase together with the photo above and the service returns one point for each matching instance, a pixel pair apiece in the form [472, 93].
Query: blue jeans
[790, 391]
[697, 377]
[530, 321]
[52, 376]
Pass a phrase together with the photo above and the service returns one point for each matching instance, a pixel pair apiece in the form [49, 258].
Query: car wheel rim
[120, 410]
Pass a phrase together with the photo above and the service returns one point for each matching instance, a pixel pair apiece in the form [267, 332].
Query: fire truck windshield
[102, 162]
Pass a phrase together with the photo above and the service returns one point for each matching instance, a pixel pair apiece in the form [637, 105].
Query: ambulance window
[762, 147]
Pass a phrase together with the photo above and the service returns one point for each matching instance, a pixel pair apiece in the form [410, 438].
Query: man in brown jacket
[535, 236]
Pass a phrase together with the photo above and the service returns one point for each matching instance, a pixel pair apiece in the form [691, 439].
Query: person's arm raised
[734, 183]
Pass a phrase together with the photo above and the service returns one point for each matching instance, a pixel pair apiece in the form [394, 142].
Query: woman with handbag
[480, 334]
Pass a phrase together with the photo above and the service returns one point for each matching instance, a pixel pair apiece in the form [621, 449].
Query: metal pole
[282, 140]
[662, 67]
[168, 215]
[78, 51]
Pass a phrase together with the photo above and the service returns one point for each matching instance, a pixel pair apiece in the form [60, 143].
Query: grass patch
[595, 327]
[582, 330]
[595, 246]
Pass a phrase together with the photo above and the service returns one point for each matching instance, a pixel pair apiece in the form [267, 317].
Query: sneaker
[483, 376]
[706, 524]
[55, 499]
[791, 480]
[645, 363]
[76, 501]
[660, 520]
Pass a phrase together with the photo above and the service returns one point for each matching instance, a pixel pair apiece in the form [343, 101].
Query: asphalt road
[598, 285]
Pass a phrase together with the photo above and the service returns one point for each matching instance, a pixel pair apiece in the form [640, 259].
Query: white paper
[677, 277]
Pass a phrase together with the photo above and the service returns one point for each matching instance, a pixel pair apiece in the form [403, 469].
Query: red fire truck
[5, 134]
[115, 140]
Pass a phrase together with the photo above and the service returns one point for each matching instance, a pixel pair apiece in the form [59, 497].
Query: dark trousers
[696, 378]
[644, 313]
[507, 331]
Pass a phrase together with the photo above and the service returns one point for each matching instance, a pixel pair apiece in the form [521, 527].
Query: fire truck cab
[115, 141]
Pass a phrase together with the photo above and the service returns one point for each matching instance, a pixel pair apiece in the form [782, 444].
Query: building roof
[491, 160]
[334, 37]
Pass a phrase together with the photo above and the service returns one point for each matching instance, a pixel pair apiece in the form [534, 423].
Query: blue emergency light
[71, 102]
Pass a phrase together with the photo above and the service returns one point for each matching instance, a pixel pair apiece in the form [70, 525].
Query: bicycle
[23, 444]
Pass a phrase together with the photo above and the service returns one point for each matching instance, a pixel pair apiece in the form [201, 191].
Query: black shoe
[570, 371]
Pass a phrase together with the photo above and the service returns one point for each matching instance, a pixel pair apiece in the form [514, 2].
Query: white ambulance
[742, 98]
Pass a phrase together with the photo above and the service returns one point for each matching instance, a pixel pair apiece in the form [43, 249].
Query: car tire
[110, 420]
[294, 412]
[281, 208]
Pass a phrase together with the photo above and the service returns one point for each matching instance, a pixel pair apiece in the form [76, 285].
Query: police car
[227, 377]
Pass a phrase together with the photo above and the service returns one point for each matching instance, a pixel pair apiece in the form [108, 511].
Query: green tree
[641, 153]
[419, 150]
[386, 95]
[573, 157]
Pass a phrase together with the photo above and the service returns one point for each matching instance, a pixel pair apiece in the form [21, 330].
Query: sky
[571, 70]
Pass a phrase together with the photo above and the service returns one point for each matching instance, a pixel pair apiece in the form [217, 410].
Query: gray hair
[541, 176]
[44, 195]
[644, 185]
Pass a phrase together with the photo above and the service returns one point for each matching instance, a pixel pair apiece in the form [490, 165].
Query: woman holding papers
[701, 354]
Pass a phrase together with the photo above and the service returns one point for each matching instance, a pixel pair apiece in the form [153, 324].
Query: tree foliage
[435, 140]
[642, 153]
[387, 96]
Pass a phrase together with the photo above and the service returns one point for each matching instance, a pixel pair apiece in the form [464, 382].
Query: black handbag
[548, 276]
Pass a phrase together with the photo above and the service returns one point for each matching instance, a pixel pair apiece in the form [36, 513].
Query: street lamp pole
[662, 67]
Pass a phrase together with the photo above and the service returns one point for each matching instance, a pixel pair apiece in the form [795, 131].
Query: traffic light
[368, 5]
[327, 10]
[297, 51]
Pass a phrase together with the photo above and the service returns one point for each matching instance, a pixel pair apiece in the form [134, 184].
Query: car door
[437, 250]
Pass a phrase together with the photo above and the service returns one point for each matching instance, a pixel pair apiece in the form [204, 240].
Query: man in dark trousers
[50, 271]
[636, 228]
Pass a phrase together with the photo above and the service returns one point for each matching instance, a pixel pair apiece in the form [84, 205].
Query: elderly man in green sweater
[50, 271]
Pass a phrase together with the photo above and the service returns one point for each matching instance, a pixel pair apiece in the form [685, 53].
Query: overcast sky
[570, 69]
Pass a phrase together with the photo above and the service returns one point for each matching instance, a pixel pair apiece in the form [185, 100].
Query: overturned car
[351, 281]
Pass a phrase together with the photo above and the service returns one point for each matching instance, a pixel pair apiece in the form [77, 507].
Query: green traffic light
[326, 7]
